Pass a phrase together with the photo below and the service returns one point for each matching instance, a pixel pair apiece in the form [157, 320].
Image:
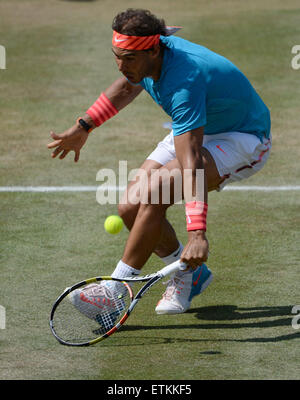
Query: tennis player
[220, 125]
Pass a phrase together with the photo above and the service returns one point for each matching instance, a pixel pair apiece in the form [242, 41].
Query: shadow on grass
[229, 313]
[230, 317]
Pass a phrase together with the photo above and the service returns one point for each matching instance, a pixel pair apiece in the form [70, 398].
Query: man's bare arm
[188, 152]
[120, 93]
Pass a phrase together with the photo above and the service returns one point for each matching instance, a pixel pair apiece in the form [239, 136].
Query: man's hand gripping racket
[94, 309]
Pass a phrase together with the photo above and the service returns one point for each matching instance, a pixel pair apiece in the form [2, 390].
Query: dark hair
[138, 22]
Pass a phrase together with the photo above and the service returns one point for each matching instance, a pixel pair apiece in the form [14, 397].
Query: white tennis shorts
[237, 155]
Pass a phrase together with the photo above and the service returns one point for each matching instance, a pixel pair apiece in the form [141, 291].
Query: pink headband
[139, 42]
[134, 42]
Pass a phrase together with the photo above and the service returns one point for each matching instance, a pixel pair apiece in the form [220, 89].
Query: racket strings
[91, 311]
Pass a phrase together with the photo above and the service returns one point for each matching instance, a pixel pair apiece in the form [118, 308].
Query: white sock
[173, 256]
[123, 270]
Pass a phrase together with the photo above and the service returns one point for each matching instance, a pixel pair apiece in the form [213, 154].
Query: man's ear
[155, 52]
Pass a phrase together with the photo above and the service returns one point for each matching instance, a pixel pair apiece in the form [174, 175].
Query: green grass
[58, 61]
[240, 328]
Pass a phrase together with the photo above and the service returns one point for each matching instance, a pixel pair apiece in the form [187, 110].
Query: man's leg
[129, 207]
[150, 230]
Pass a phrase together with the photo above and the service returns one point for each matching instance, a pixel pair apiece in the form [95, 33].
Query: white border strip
[48, 189]
[262, 188]
[45, 189]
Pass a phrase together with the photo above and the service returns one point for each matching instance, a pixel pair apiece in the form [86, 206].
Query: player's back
[198, 87]
[228, 93]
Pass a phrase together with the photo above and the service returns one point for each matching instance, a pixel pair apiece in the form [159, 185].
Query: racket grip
[175, 266]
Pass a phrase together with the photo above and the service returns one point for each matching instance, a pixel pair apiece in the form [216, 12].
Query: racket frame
[150, 280]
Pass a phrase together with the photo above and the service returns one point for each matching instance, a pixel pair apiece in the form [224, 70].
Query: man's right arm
[119, 95]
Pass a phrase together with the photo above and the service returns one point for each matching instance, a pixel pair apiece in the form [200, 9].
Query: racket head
[90, 311]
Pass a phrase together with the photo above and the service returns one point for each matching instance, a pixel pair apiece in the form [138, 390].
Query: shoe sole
[170, 312]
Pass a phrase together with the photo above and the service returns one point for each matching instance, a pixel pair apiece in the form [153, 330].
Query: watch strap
[84, 124]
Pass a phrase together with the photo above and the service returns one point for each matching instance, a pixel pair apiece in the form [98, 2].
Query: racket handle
[169, 269]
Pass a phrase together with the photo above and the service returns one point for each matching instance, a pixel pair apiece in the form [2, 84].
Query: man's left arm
[188, 152]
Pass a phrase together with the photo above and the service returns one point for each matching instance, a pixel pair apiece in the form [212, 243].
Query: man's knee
[123, 210]
[128, 213]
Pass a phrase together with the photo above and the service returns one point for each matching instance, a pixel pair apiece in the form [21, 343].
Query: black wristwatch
[85, 125]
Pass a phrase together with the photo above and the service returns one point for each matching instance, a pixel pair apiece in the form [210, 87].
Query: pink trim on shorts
[253, 162]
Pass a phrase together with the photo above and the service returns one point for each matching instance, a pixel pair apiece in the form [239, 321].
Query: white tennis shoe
[182, 288]
[97, 299]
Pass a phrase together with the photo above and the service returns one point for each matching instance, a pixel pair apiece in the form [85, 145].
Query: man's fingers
[190, 262]
[57, 140]
[77, 154]
[194, 262]
[63, 154]
[55, 136]
[56, 152]
[54, 144]
[63, 144]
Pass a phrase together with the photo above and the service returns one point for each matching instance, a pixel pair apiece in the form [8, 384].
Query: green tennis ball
[113, 224]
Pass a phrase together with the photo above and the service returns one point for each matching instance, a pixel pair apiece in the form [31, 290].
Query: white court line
[44, 189]
[262, 188]
[48, 189]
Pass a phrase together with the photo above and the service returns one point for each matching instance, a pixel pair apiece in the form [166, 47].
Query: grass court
[58, 61]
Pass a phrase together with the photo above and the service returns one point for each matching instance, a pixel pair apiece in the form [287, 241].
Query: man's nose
[121, 65]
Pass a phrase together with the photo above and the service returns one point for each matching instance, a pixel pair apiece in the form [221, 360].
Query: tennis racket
[94, 309]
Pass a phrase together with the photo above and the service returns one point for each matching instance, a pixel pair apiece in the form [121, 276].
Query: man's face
[134, 64]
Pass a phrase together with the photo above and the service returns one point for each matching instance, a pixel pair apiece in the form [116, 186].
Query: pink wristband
[102, 110]
[196, 212]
